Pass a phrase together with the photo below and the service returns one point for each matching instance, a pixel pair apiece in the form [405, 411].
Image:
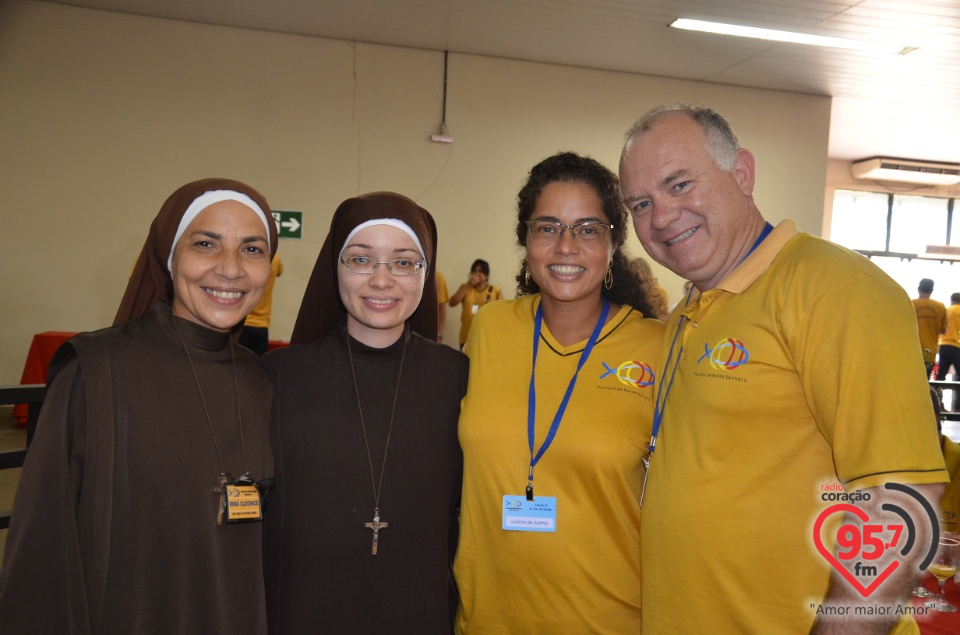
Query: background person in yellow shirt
[474, 293]
[763, 400]
[255, 334]
[949, 354]
[931, 322]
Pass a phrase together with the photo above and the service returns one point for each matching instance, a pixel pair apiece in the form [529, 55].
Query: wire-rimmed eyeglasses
[549, 231]
[366, 265]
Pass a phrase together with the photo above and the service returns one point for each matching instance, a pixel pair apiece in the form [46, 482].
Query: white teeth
[565, 270]
[681, 237]
[379, 301]
[225, 295]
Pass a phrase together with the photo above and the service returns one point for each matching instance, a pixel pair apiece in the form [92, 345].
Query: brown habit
[114, 523]
[139, 551]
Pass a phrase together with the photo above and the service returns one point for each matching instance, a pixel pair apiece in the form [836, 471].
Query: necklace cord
[377, 487]
[203, 401]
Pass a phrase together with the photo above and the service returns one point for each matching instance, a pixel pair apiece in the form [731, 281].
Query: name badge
[540, 514]
[242, 503]
[475, 308]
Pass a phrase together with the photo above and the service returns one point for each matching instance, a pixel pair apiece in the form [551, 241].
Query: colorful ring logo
[625, 373]
[729, 354]
[646, 374]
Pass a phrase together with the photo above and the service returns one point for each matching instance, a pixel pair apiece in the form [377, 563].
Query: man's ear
[744, 171]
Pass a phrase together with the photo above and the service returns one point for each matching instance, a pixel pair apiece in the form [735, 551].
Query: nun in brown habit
[119, 524]
[363, 519]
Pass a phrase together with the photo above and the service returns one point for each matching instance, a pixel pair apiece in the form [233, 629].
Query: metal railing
[947, 415]
[33, 396]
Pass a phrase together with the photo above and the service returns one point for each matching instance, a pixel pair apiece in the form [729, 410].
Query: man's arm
[895, 589]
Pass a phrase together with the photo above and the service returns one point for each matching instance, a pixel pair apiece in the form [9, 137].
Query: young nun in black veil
[363, 520]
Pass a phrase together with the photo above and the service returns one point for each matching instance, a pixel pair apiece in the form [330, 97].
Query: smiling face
[379, 304]
[692, 217]
[220, 266]
[569, 270]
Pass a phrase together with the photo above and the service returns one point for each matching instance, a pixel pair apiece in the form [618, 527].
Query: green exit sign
[289, 224]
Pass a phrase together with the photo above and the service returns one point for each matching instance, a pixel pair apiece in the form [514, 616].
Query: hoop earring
[608, 279]
[526, 276]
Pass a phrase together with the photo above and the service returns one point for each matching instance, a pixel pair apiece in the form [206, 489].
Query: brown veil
[321, 310]
[151, 279]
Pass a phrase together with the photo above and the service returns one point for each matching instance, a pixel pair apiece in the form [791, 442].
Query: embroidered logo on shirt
[728, 354]
[631, 373]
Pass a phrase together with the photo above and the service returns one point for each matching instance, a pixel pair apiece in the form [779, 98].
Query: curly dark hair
[569, 167]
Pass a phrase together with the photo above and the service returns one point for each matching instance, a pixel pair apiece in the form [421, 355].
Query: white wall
[103, 115]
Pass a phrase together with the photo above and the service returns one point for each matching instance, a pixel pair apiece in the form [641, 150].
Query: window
[917, 221]
[892, 229]
[859, 220]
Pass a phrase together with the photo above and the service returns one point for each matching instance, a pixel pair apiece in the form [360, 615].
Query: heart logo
[829, 557]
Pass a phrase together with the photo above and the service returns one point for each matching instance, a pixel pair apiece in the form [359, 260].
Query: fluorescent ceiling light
[787, 36]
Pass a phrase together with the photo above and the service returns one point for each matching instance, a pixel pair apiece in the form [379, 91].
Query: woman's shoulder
[506, 310]
[634, 325]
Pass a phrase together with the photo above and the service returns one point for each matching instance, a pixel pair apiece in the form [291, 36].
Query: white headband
[392, 222]
[204, 201]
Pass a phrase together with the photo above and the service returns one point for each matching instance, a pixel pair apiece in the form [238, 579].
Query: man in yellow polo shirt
[931, 322]
[775, 401]
[949, 356]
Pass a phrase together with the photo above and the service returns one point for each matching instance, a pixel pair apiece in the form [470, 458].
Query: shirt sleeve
[864, 381]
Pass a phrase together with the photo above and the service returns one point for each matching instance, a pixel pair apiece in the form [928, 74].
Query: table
[42, 348]
[935, 622]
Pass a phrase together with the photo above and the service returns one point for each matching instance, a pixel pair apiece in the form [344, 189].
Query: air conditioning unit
[941, 253]
[907, 171]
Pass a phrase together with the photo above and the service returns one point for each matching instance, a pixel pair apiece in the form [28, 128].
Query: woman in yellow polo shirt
[556, 420]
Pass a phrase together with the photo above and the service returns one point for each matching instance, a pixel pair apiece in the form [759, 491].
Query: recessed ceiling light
[787, 36]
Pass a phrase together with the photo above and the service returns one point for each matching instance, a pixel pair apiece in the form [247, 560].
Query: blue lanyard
[532, 401]
[767, 228]
[661, 400]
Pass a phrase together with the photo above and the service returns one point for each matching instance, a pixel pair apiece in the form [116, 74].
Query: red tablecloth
[935, 622]
[42, 348]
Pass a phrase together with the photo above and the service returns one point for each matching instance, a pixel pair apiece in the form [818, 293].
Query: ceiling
[902, 106]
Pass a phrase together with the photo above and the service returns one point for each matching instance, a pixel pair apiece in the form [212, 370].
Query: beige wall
[103, 115]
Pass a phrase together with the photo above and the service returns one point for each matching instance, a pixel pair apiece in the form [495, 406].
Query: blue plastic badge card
[540, 514]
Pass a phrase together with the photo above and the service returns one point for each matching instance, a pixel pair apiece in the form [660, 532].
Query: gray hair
[722, 143]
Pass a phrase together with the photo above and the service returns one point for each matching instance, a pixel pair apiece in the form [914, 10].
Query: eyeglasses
[366, 265]
[548, 231]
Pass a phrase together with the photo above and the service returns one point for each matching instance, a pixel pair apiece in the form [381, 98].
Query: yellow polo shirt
[781, 388]
[931, 319]
[950, 503]
[585, 576]
[952, 336]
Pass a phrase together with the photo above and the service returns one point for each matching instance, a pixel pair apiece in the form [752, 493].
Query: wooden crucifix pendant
[376, 526]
